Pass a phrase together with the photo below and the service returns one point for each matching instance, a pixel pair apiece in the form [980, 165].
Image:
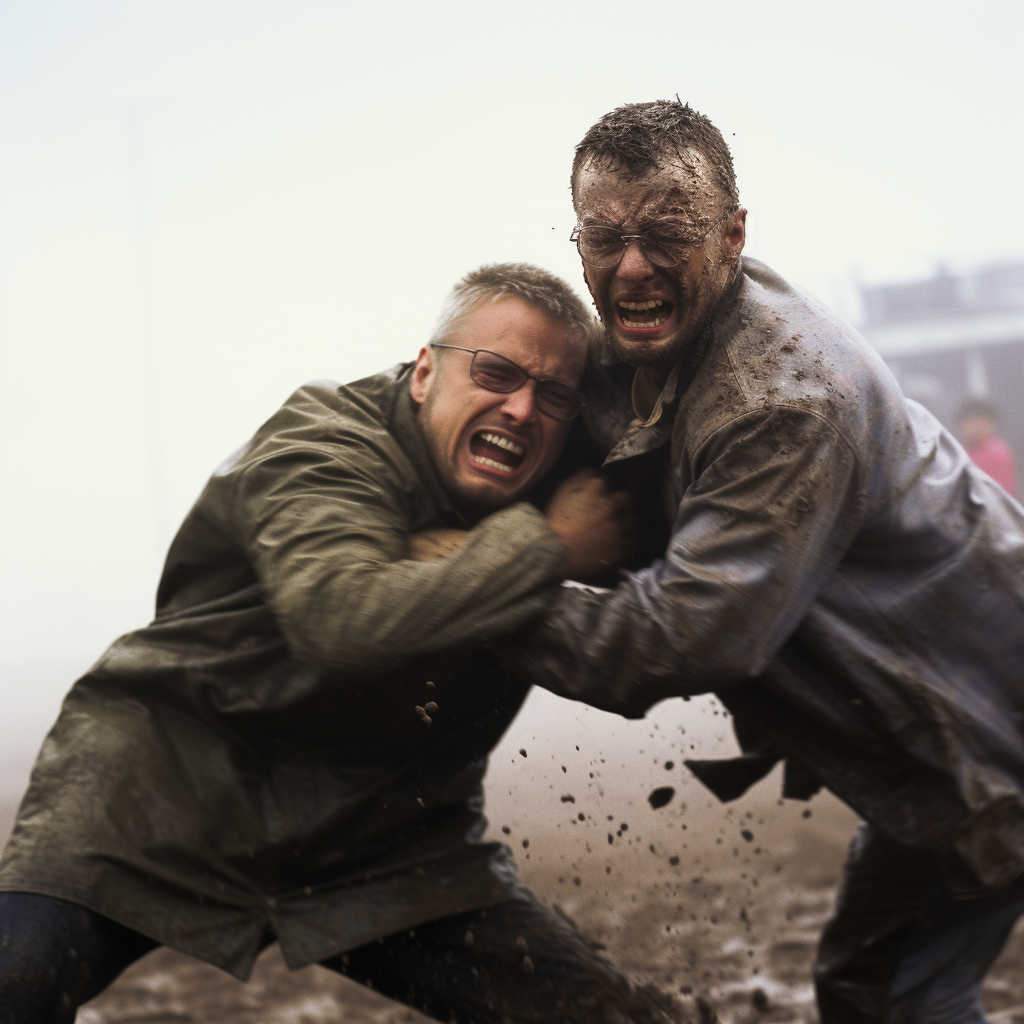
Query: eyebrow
[669, 204]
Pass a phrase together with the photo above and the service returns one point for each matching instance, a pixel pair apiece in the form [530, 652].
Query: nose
[521, 405]
[634, 265]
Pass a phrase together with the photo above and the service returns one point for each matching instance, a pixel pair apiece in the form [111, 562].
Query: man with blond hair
[293, 749]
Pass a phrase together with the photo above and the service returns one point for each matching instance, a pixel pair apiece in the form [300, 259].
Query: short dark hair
[638, 137]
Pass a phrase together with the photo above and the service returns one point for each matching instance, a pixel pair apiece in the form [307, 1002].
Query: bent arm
[770, 512]
[328, 540]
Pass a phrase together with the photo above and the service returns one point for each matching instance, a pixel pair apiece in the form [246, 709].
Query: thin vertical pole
[147, 342]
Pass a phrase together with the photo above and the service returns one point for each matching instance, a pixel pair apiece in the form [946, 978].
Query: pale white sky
[203, 205]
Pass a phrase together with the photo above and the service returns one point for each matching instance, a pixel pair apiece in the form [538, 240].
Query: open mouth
[496, 452]
[644, 316]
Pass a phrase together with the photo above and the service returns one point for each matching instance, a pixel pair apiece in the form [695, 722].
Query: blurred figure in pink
[978, 428]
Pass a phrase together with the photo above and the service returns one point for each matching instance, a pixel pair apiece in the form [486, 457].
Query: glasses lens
[559, 401]
[496, 373]
[599, 245]
[666, 248]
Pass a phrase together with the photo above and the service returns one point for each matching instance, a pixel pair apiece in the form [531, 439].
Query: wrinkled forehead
[526, 334]
[681, 188]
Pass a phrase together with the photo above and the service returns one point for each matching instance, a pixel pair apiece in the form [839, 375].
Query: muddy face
[653, 313]
[489, 447]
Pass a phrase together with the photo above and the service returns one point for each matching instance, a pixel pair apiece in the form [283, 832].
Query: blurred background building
[955, 341]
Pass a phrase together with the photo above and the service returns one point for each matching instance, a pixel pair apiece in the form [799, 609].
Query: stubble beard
[660, 359]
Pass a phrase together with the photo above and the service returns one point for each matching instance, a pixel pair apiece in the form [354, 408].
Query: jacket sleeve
[771, 509]
[327, 537]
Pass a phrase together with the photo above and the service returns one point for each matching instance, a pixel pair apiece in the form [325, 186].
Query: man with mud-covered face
[653, 309]
[836, 570]
[293, 750]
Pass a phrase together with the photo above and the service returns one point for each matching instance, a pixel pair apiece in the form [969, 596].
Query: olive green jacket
[253, 762]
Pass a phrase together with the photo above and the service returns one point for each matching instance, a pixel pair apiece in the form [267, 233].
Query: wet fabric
[253, 759]
[900, 949]
[55, 956]
[517, 961]
[839, 573]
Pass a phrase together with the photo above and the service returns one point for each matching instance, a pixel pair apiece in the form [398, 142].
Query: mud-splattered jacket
[253, 760]
[838, 573]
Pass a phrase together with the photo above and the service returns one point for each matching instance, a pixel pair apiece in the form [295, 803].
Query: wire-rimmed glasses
[555, 398]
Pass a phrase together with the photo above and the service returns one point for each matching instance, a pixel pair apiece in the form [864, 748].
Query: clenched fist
[594, 522]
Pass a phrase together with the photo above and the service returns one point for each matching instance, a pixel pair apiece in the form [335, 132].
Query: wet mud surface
[739, 930]
[721, 902]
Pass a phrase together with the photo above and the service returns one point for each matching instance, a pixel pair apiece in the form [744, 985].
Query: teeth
[503, 442]
[642, 306]
[484, 461]
[644, 323]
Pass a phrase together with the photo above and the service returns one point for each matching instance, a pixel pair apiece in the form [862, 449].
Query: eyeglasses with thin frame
[496, 373]
[603, 246]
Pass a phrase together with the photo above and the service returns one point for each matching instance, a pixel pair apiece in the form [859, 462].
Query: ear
[736, 232]
[422, 375]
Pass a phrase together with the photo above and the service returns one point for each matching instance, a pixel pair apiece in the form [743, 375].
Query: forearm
[622, 650]
[367, 615]
[749, 553]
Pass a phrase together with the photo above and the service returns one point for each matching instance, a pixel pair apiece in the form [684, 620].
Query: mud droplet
[506, 830]
[669, 765]
[568, 798]
[673, 861]
[521, 944]
[430, 686]
[526, 843]
[661, 796]
[522, 752]
[527, 965]
[424, 717]
[747, 834]
[430, 706]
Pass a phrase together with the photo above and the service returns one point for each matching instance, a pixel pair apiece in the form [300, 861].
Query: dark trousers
[900, 949]
[515, 962]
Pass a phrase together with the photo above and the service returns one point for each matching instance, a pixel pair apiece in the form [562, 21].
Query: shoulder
[334, 421]
[777, 348]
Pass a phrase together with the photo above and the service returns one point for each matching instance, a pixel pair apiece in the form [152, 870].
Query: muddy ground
[737, 923]
[721, 901]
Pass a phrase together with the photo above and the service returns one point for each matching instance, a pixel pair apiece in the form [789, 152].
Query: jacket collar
[404, 424]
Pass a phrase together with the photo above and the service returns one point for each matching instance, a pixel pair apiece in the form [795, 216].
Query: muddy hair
[638, 137]
[541, 290]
